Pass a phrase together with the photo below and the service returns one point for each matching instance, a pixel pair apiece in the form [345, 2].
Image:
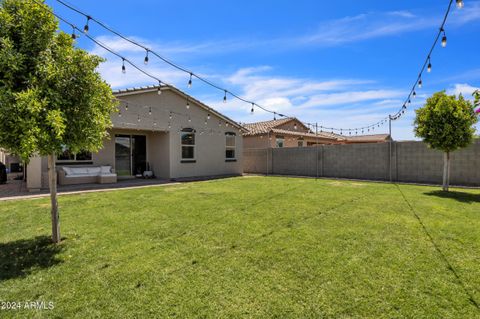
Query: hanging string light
[190, 80]
[420, 83]
[188, 104]
[74, 36]
[225, 97]
[145, 61]
[126, 107]
[124, 70]
[159, 90]
[150, 110]
[414, 94]
[444, 38]
[252, 110]
[85, 28]
[208, 116]
[138, 118]
[295, 126]
[429, 67]
[441, 30]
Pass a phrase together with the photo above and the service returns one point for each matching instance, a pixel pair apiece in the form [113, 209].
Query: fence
[396, 161]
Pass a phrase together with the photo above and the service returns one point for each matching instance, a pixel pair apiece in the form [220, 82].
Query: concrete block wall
[399, 161]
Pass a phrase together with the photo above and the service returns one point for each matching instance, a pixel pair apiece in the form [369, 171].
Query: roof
[153, 88]
[261, 128]
[369, 138]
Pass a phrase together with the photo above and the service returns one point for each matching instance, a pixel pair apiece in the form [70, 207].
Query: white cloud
[464, 89]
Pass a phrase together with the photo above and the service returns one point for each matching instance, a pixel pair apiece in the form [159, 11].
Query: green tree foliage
[51, 95]
[446, 123]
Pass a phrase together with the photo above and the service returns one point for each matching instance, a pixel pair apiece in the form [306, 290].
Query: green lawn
[253, 247]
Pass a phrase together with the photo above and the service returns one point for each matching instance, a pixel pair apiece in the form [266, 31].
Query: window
[300, 142]
[279, 141]
[188, 144]
[68, 156]
[229, 145]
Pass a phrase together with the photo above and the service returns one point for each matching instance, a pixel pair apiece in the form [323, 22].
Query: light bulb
[86, 28]
[295, 126]
[188, 105]
[444, 39]
[208, 116]
[124, 70]
[225, 97]
[460, 4]
[150, 111]
[190, 81]
[145, 61]
[429, 67]
[414, 94]
[420, 83]
[252, 110]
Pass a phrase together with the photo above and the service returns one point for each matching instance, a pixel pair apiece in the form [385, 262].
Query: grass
[257, 247]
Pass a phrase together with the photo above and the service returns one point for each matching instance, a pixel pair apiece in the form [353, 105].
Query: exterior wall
[404, 161]
[209, 138]
[257, 141]
[263, 141]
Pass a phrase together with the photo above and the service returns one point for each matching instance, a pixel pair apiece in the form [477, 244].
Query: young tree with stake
[445, 123]
[51, 95]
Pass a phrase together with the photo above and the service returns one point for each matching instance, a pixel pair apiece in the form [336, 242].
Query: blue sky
[345, 65]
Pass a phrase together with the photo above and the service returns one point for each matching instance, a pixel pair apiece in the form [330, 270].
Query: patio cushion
[105, 170]
[79, 170]
[67, 170]
[93, 170]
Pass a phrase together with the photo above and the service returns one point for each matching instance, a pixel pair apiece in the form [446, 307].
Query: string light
[441, 30]
[170, 116]
[420, 83]
[159, 90]
[188, 104]
[252, 110]
[85, 28]
[74, 36]
[145, 61]
[414, 94]
[225, 97]
[126, 107]
[295, 126]
[138, 118]
[150, 110]
[189, 119]
[208, 116]
[124, 70]
[429, 67]
[190, 80]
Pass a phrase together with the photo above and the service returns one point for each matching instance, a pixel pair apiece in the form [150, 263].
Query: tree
[51, 95]
[446, 123]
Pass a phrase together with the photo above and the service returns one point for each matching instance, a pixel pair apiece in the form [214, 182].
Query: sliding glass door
[130, 154]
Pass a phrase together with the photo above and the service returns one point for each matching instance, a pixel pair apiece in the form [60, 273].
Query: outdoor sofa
[68, 175]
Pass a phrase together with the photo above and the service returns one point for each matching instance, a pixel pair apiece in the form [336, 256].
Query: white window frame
[234, 147]
[187, 131]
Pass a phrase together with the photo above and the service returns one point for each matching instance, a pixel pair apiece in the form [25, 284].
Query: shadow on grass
[21, 257]
[459, 196]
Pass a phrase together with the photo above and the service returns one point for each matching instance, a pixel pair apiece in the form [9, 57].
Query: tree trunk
[52, 182]
[446, 171]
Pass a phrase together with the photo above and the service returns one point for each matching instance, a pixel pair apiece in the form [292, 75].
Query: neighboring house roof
[261, 128]
[369, 138]
[154, 88]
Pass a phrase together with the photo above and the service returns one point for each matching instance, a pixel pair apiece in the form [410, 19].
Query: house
[285, 132]
[290, 132]
[159, 129]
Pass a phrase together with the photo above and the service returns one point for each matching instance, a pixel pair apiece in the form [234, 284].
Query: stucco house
[158, 129]
[290, 132]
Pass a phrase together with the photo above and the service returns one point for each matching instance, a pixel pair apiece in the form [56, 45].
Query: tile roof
[260, 128]
[369, 138]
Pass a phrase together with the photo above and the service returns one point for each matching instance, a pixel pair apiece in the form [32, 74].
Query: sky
[347, 65]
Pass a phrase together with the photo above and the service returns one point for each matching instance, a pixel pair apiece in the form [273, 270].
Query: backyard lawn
[260, 247]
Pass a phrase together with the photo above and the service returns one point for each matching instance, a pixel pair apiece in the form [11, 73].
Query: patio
[17, 188]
